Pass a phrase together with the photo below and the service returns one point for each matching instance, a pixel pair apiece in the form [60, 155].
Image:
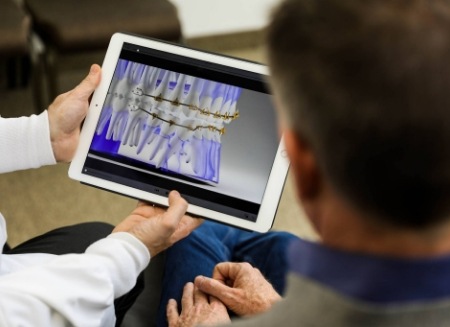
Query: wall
[201, 18]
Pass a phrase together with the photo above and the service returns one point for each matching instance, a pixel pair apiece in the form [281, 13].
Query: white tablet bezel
[278, 172]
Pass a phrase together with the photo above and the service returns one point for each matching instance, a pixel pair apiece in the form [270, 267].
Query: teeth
[236, 94]
[119, 107]
[119, 103]
[151, 130]
[219, 101]
[181, 136]
[156, 147]
[198, 160]
[207, 95]
[214, 160]
[163, 84]
[107, 112]
[105, 116]
[121, 69]
[137, 73]
[168, 129]
[169, 120]
[174, 138]
[152, 79]
[193, 97]
[171, 85]
[136, 117]
[180, 89]
[135, 125]
[227, 101]
[149, 134]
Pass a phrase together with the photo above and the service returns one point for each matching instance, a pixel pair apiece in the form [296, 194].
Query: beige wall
[201, 18]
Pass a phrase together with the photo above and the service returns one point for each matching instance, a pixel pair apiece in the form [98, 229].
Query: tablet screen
[170, 122]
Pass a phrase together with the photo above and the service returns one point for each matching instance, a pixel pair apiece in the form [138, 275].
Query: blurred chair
[14, 29]
[74, 26]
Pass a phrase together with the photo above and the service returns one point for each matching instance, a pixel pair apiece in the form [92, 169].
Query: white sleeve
[25, 143]
[74, 289]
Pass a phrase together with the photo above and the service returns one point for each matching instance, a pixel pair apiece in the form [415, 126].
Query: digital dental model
[169, 120]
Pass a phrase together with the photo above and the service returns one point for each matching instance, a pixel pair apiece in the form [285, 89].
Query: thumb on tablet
[87, 86]
[66, 113]
[158, 228]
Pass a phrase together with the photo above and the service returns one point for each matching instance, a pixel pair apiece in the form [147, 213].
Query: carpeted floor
[39, 200]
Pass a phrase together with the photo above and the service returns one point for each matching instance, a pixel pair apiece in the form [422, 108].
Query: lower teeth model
[170, 120]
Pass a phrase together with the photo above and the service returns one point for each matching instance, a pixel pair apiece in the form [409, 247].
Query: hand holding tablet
[166, 117]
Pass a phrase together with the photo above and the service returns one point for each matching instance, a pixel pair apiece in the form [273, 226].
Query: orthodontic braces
[177, 103]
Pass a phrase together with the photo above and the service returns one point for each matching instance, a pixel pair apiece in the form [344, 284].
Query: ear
[304, 166]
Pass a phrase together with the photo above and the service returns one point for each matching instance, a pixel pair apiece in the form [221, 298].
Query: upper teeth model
[170, 120]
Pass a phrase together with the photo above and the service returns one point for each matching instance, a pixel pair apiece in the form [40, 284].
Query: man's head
[366, 85]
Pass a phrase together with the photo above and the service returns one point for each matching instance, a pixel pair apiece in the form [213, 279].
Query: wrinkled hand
[157, 228]
[67, 112]
[242, 288]
[197, 309]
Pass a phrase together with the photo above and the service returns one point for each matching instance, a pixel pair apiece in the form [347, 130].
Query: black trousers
[76, 239]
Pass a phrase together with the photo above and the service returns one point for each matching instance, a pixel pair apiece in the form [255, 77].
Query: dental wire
[221, 131]
[177, 103]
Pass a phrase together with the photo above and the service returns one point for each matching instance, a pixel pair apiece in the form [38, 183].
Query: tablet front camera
[170, 120]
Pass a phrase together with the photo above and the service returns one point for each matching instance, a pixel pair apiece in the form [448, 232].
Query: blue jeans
[213, 243]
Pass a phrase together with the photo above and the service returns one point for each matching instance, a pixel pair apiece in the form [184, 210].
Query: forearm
[25, 143]
[76, 288]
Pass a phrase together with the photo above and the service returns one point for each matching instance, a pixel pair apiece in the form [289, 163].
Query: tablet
[167, 117]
